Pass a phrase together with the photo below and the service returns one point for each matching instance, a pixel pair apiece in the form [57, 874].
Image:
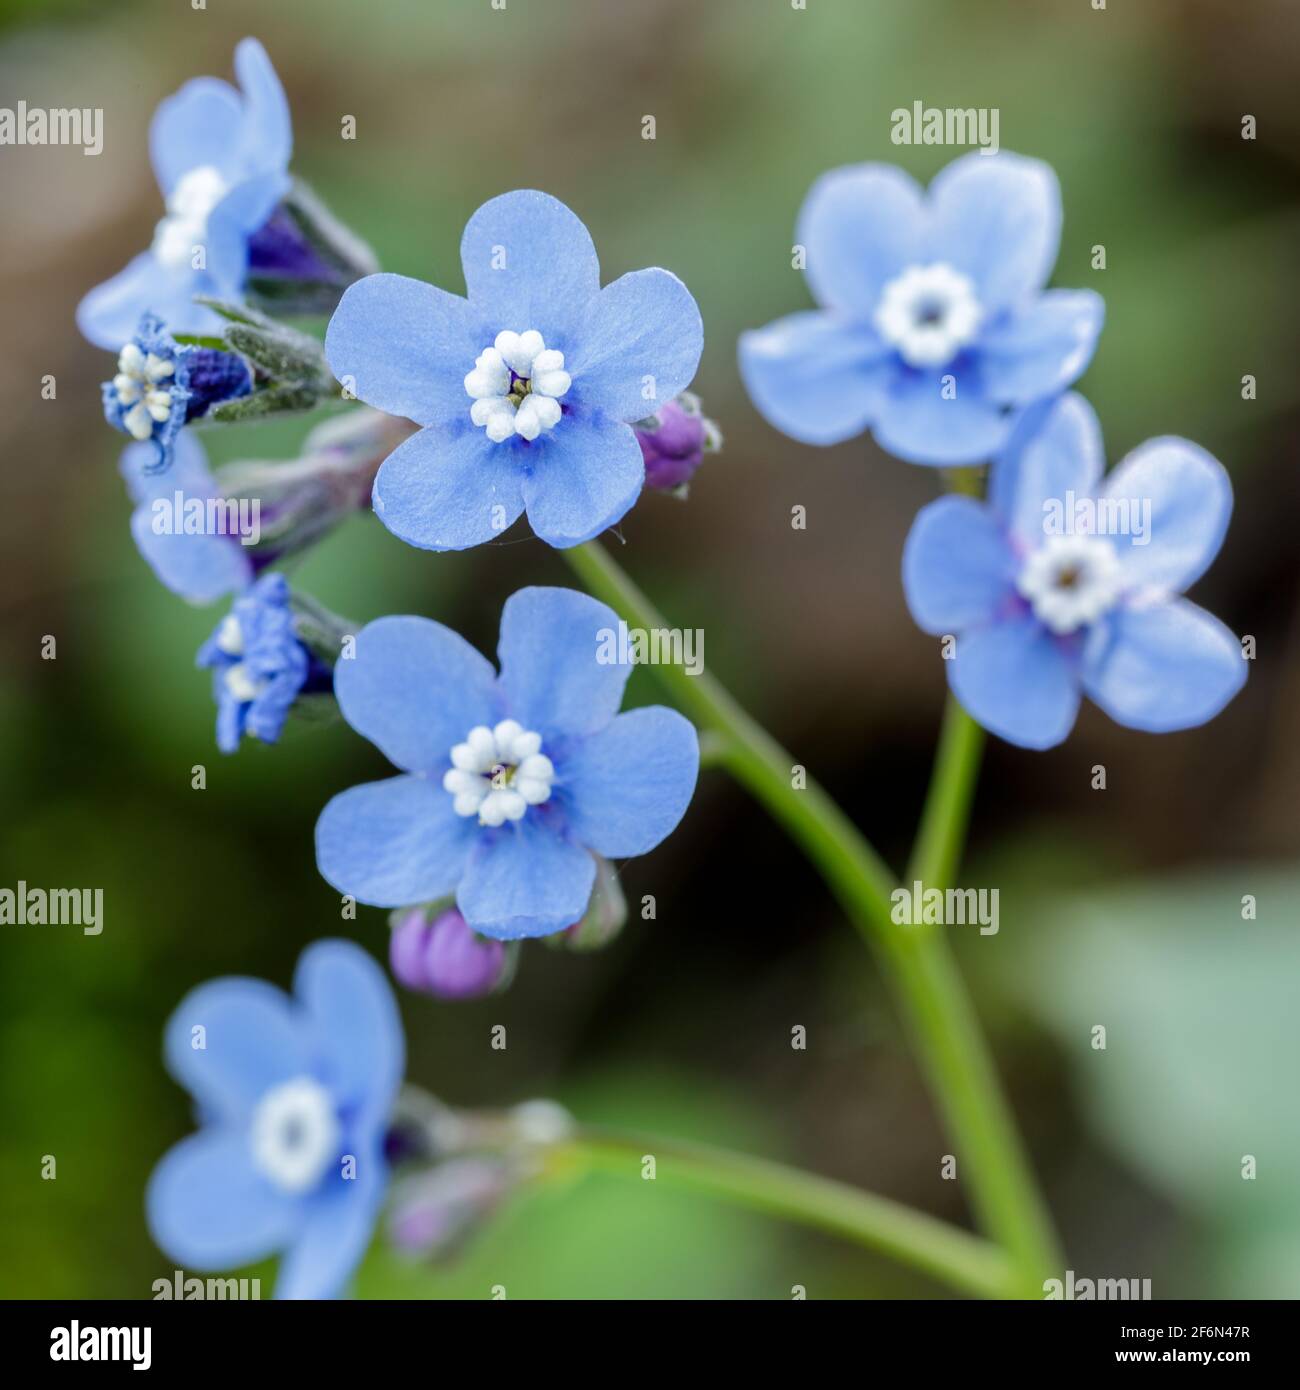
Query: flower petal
[335, 1232]
[1164, 667]
[529, 263]
[918, 422]
[393, 843]
[1045, 348]
[201, 124]
[200, 569]
[189, 471]
[816, 377]
[1190, 499]
[235, 218]
[405, 347]
[267, 138]
[860, 225]
[208, 1208]
[642, 333]
[628, 786]
[448, 488]
[584, 476]
[958, 570]
[997, 219]
[250, 1039]
[1014, 679]
[525, 880]
[1056, 450]
[109, 315]
[414, 688]
[348, 999]
[559, 674]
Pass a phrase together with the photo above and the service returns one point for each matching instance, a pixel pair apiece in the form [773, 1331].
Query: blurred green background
[1119, 907]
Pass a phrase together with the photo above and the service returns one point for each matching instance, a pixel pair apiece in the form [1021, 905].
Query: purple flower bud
[674, 441]
[406, 949]
[445, 957]
[433, 1213]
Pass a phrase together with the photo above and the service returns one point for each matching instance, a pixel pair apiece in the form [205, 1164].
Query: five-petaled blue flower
[509, 783]
[222, 162]
[259, 665]
[294, 1098]
[526, 389]
[161, 385]
[934, 329]
[181, 522]
[1065, 582]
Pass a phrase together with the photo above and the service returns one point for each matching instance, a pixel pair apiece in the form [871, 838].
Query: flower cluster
[542, 393]
[936, 333]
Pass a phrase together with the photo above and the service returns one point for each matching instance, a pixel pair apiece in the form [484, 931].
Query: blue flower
[222, 162]
[510, 782]
[294, 1098]
[526, 390]
[198, 562]
[934, 329]
[160, 386]
[259, 666]
[1065, 583]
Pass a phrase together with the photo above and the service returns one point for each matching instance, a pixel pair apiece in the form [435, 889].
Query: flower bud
[674, 441]
[433, 1213]
[443, 957]
[604, 918]
[302, 258]
[301, 500]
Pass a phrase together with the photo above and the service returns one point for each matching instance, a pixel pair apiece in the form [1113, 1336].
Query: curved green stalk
[935, 1004]
[942, 833]
[958, 1258]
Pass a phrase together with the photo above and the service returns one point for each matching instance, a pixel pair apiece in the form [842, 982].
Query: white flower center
[929, 313]
[189, 205]
[1071, 581]
[497, 774]
[141, 390]
[242, 684]
[295, 1134]
[230, 636]
[516, 386]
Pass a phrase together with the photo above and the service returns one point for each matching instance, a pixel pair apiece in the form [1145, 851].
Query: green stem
[942, 833]
[962, 1260]
[936, 1006]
